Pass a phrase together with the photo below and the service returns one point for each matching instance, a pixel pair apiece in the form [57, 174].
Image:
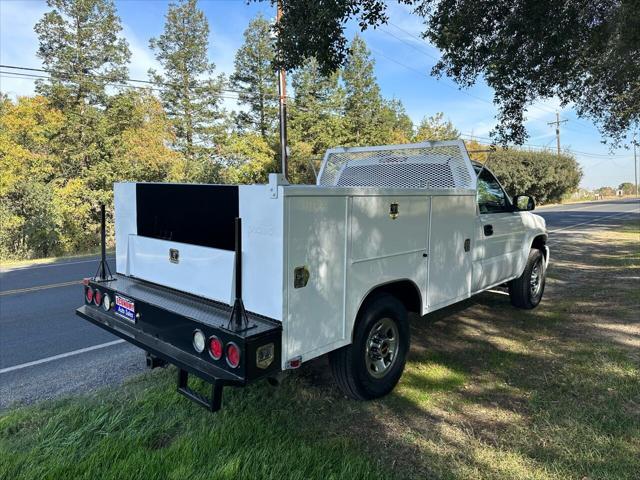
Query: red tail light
[233, 355]
[97, 298]
[215, 348]
[89, 294]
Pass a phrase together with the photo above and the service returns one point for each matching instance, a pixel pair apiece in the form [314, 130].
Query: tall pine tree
[81, 48]
[188, 90]
[255, 78]
[315, 115]
[363, 102]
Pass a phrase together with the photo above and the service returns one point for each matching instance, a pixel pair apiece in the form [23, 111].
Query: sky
[402, 65]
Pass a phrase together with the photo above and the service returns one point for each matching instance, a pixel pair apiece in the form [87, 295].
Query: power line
[63, 75]
[422, 40]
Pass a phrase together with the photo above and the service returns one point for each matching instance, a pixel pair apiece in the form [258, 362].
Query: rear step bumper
[164, 324]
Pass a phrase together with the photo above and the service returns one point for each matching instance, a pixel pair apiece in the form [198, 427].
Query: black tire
[352, 365]
[521, 290]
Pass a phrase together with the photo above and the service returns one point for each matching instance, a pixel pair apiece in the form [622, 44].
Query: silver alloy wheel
[537, 274]
[382, 346]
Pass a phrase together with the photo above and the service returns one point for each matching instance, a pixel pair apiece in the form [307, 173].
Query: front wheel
[372, 365]
[526, 291]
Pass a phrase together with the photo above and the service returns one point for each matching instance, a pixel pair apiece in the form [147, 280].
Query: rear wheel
[526, 291]
[372, 365]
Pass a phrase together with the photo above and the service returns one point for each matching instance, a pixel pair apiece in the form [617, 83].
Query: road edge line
[60, 356]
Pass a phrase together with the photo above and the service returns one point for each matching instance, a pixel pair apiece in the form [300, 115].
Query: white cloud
[142, 58]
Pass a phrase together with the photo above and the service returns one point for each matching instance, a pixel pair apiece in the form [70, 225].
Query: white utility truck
[237, 283]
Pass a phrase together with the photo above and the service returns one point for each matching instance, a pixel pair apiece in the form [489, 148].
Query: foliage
[436, 128]
[542, 174]
[606, 192]
[80, 46]
[315, 115]
[49, 205]
[577, 51]
[310, 29]
[363, 102]
[189, 93]
[256, 80]
[627, 188]
[248, 159]
[27, 165]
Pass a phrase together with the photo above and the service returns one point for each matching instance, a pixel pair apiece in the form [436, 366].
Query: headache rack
[433, 165]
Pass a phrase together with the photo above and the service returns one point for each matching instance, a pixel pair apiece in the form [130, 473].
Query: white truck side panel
[350, 245]
[262, 250]
[450, 267]
[125, 221]
[203, 271]
[316, 238]
[384, 249]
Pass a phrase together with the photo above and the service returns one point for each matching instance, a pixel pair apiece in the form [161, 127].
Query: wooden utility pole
[557, 124]
[282, 93]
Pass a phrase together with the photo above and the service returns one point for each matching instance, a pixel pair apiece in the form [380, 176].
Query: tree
[249, 159]
[436, 128]
[139, 133]
[542, 174]
[255, 78]
[627, 188]
[606, 192]
[395, 125]
[315, 115]
[27, 166]
[363, 103]
[81, 49]
[576, 50]
[189, 93]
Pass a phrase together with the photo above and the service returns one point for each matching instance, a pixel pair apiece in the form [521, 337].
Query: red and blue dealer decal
[125, 308]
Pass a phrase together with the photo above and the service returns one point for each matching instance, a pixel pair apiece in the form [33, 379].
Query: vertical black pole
[103, 246]
[238, 269]
[238, 258]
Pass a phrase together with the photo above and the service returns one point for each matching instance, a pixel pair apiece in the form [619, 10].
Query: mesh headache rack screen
[421, 165]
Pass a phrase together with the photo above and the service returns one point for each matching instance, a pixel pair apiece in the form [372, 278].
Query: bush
[542, 174]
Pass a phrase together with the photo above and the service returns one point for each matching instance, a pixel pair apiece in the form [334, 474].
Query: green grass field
[489, 392]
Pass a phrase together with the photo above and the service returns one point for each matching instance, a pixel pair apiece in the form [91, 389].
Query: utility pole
[282, 93]
[557, 124]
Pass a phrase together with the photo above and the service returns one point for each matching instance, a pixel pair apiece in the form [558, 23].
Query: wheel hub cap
[381, 350]
[536, 278]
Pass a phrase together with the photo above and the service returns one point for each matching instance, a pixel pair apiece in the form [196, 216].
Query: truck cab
[237, 283]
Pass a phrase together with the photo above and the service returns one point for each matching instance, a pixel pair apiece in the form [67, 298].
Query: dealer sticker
[125, 308]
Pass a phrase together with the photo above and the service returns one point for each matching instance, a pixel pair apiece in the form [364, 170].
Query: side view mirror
[524, 203]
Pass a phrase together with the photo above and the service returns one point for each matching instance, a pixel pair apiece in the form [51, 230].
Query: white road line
[56, 264]
[562, 208]
[58, 357]
[594, 220]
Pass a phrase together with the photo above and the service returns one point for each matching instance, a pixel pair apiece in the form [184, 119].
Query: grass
[489, 392]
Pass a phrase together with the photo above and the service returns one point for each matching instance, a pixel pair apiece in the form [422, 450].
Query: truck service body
[236, 283]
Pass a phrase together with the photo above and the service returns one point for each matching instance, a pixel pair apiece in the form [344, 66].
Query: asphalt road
[47, 351]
